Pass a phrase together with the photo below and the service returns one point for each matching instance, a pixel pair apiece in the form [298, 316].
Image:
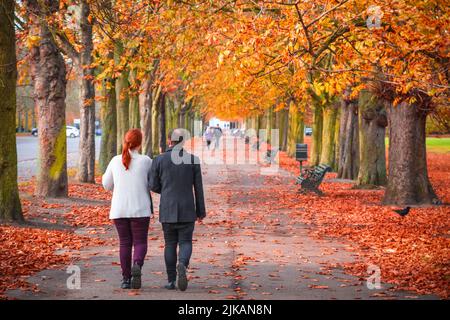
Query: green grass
[437, 145]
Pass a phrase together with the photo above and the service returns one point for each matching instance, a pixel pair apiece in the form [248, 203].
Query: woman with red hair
[127, 176]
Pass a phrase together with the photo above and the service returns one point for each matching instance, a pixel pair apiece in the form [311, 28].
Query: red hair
[133, 139]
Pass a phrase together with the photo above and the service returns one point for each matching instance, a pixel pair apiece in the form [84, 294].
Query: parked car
[308, 131]
[72, 132]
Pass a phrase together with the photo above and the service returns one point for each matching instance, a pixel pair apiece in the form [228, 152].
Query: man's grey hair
[176, 136]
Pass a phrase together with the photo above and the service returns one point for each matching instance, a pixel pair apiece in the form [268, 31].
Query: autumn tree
[77, 44]
[410, 61]
[10, 207]
[48, 72]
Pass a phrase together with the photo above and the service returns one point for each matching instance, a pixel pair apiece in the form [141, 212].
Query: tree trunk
[256, 124]
[155, 120]
[284, 121]
[408, 181]
[259, 124]
[327, 154]
[316, 149]
[33, 117]
[25, 127]
[19, 121]
[336, 138]
[348, 155]
[108, 147]
[269, 126]
[372, 153]
[176, 115]
[134, 101]
[48, 72]
[122, 100]
[146, 116]
[162, 123]
[10, 207]
[86, 167]
[296, 129]
[170, 114]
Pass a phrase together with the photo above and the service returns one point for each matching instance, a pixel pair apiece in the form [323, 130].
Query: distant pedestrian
[217, 135]
[209, 135]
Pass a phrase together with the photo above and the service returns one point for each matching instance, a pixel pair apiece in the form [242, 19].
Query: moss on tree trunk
[10, 207]
[327, 154]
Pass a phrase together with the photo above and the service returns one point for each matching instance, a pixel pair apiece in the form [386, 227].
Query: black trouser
[174, 234]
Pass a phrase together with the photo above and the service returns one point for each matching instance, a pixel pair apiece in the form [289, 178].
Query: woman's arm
[107, 178]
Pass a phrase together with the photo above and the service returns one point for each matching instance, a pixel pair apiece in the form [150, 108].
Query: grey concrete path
[238, 254]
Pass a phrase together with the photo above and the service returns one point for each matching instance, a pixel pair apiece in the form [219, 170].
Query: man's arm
[148, 184]
[198, 190]
[155, 179]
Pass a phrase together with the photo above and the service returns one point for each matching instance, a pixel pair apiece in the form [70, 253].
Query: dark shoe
[136, 277]
[126, 283]
[182, 278]
[170, 286]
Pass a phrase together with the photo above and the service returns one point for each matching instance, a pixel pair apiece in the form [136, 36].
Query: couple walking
[131, 176]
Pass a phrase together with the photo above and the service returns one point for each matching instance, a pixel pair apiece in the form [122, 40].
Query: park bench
[311, 178]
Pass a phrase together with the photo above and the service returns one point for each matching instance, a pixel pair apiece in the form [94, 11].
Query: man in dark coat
[177, 176]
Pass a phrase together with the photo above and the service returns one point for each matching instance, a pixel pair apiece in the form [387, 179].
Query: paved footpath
[243, 250]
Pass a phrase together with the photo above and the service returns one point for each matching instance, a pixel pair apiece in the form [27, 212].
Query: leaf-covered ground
[25, 251]
[413, 252]
[255, 236]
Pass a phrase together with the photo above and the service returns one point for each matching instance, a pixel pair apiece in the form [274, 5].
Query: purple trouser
[133, 232]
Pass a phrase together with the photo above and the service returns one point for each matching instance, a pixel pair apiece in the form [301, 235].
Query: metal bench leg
[301, 190]
[318, 192]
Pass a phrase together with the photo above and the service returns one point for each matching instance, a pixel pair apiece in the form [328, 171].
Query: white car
[72, 132]
[308, 131]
